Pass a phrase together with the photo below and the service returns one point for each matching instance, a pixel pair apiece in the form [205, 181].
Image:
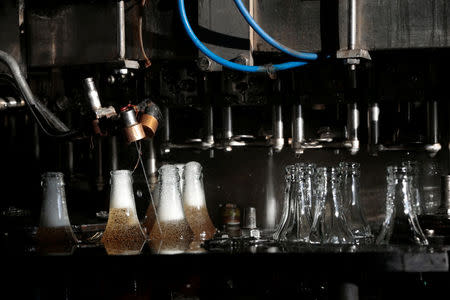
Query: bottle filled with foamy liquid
[194, 202]
[172, 230]
[123, 233]
[55, 234]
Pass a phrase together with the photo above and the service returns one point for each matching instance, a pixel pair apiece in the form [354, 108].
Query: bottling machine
[245, 88]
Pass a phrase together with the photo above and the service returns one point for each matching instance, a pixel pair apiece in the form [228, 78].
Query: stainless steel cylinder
[92, 93]
[227, 122]
[129, 117]
[250, 218]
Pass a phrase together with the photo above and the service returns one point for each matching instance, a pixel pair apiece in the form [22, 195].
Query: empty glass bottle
[298, 223]
[123, 233]
[55, 234]
[289, 171]
[400, 225]
[417, 200]
[318, 203]
[431, 187]
[173, 227]
[194, 203]
[330, 225]
[351, 204]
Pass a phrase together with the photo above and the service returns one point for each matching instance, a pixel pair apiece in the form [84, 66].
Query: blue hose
[268, 38]
[227, 63]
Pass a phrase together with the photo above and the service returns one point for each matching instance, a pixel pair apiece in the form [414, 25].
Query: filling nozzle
[166, 134]
[373, 125]
[227, 127]
[277, 140]
[298, 130]
[433, 129]
[352, 127]
[208, 139]
[96, 105]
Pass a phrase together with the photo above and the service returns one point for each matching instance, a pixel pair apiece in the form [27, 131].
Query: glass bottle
[173, 230]
[298, 223]
[150, 214]
[123, 233]
[413, 168]
[55, 234]
[331, 222]
[351, 204]
[431, 187]
[400, 225]
[289, 171]
[318, 204]
[180, 168]
[194, 203]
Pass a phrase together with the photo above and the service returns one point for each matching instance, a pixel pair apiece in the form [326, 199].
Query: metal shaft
[209, 136]
[298, 131]
[373, 123]
[433, 122]
[121, 45]
[151, 162]
[92, 94]
[277, 122]
[166, 124]
[352, 24]
[227, 122]
[352, 121]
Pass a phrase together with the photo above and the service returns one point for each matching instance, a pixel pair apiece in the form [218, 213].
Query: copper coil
[134, 133]
[150, 124]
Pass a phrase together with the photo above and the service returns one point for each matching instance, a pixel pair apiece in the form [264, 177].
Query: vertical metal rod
[151, 162]
[227, 122]
[277, 128]
[373, 124]
[352, 127]
[352, 24]
[166, 125]
[70, 163]
[352, 121]
[433, 124]
[121, 45]
[37, 147]
[298, 131]
[100, 183]
[277, 122]
[114, 153]
[209, 136]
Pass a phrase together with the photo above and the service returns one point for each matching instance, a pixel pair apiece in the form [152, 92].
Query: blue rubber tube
[227, 63]
[268, 38]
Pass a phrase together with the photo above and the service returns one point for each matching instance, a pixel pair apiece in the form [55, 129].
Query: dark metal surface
[293, 23]
[10, 20]
[397, 24]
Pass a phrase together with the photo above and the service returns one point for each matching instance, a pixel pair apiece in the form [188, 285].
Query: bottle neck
[122, 195]
[54, 208]
[170, 207]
